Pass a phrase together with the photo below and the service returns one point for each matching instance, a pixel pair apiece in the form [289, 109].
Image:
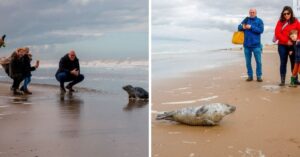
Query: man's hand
[244, 26]
[248, 26]
[289, 43]
[75, 72]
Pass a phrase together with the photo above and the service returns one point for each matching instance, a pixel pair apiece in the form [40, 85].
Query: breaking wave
[103, 64]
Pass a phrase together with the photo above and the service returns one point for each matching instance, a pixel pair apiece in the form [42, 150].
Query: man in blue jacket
[253, 27]
[69, 70]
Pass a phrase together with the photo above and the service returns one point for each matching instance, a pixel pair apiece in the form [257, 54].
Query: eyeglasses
[286, 14]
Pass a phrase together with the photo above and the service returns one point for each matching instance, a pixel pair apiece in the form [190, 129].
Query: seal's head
[228, 109]
[128, 87]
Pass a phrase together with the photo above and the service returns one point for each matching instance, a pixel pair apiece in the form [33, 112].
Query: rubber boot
[293, 80]
[282, 81]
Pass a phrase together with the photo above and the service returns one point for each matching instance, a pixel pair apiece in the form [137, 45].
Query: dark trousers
[283, 51]
[63, 77]
[16, 82]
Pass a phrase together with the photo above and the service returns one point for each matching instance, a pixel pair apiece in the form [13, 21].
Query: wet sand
[265, 123]
[85, 123]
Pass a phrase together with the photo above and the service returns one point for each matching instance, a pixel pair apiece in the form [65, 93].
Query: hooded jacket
[252, 36]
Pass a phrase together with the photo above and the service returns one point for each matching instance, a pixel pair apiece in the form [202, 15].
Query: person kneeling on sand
[15, 70]
[69, 70]
[27, 70]
[296, 43]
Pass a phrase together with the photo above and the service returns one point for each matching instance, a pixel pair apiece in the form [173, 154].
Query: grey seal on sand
[205, 115]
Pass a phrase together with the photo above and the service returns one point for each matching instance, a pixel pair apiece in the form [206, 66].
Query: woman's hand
[289, 43]
[37, 64]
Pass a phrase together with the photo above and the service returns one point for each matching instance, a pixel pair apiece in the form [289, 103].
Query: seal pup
[2, 43]
[136, 92]
[205, 115]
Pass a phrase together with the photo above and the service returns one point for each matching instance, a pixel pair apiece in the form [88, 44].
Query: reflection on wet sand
[133, 103]
[70, 103]
[70, 106]
[19, 99]
[73, 124]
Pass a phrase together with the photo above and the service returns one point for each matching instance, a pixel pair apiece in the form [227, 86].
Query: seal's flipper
[165, 116]
[201, 111]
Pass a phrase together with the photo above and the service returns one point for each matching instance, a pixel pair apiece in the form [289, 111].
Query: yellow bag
[238, 37]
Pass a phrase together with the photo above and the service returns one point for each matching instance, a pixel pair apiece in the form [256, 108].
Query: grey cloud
[223, 15]
[194, 20]
[32, 21]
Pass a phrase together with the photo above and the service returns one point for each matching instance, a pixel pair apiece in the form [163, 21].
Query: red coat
[283, 35]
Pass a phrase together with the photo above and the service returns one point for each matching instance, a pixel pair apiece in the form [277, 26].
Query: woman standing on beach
[285, 24]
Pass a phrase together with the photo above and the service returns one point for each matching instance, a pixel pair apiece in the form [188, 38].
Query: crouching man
[69, 71]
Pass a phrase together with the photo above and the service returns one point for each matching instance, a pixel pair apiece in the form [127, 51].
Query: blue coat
[252, 35]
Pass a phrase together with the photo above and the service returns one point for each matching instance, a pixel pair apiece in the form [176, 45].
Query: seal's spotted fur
[209, 114]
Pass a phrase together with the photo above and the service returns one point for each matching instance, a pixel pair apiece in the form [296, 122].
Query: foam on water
[115, 64]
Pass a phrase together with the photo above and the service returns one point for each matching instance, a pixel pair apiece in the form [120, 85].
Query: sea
[169, 64]
[108, 76]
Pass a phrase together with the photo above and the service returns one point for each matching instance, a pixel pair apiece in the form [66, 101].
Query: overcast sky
[95, 28]
[196, 25]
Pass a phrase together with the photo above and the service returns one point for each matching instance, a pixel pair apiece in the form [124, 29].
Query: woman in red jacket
[285, 24]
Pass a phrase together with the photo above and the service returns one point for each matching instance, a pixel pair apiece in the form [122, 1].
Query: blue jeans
[27, 80]
[283, 51]
[63, 77]
[257, 55]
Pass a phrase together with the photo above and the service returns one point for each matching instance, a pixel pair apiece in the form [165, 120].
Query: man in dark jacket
[253, 27]
[69, 70]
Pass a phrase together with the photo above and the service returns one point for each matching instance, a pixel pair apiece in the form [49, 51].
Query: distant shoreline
[267, 48]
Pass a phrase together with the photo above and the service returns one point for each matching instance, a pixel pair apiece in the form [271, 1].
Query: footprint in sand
[272, 88]
[252, 153]
[189, 142]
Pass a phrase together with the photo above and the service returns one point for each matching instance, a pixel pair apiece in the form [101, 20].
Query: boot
[17, 92]
[70, 87]
[26, 91]
[293, 80]
[282, 81]
[249, 79]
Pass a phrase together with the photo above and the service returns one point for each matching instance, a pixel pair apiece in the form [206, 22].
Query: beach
[84, 123]
[264, 123]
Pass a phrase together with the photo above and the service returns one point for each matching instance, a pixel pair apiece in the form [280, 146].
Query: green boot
[293, 80]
